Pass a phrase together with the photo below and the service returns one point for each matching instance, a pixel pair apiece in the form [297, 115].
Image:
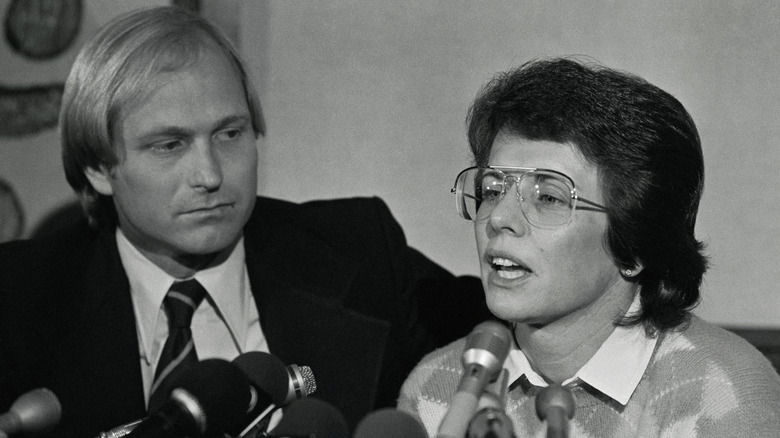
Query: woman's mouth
[508, 269]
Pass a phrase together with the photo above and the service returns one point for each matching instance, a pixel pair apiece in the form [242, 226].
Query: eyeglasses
[547, 198]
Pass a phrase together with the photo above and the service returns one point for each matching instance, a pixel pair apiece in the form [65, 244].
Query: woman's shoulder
[444, 361]
[703, 352]
[718, 378]
[703, 341]
[429, 387]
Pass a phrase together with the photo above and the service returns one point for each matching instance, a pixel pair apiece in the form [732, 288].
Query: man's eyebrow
[178, 131]
[238, 118]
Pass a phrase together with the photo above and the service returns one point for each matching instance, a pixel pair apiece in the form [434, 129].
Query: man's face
[187, 177]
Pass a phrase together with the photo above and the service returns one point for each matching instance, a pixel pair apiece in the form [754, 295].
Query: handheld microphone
[276, 384]
[556, 405]
[282, 384]
[210, 398]
[389, 423]
[35, 412]
[483, 358]
[491, 420]
[309, 417]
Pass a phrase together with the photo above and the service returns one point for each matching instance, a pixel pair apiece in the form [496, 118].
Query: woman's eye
[549, 199]
[491, 193]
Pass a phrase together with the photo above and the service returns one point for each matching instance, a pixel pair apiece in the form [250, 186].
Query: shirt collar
[149, 284]
[615, 369]
[227, 285]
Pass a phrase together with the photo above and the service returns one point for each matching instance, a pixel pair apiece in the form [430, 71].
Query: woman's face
[537, 276]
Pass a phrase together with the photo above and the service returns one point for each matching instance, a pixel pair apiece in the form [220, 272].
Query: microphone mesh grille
[309, 384]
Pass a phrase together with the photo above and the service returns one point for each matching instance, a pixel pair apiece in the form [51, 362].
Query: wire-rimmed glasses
[546, 197]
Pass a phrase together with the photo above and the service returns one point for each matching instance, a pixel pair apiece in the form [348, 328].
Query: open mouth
[508, 269]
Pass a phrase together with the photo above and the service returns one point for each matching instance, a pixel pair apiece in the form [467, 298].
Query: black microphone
[389, 423]
[276, 384]
[35, 412]
[555, 404]
[309, 417]
[210, 398]
[268, 373]
[487, 347]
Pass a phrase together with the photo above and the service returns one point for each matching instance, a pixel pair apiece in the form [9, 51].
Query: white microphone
[35, 412]
[555, 405]
[487, 347]
[491, 420]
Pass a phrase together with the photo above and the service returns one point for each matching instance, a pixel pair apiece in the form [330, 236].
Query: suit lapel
[101, 347]
[300, 285]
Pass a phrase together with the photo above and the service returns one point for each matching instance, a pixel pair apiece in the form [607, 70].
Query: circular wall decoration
[41, 29]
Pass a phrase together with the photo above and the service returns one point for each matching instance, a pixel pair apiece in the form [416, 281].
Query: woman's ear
[633, 271]
[100, 180]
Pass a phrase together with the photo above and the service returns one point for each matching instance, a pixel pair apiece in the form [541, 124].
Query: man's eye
[230, 134]
[167, 146]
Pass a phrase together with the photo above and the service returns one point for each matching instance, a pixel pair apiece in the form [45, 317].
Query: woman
[584, 200]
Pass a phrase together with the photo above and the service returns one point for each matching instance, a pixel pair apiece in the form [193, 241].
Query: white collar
[615, 369]
[149, 284]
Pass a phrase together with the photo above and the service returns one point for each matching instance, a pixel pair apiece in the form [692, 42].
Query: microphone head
[552, 397]
[389, 423]
[487, 345]
[221, 395]
[37, 411]
[301, 382]
[266, 372]
[309, 417]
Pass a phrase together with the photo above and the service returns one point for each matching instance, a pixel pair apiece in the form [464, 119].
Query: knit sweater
[702, 381]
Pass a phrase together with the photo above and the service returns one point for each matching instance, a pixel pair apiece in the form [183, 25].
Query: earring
[629, 272]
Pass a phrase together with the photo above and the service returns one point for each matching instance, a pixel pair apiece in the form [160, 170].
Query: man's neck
[183, 266]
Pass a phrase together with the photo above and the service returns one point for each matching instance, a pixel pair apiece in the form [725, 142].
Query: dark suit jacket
[336, 285]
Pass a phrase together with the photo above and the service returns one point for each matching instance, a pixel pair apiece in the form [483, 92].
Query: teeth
[498, 261]
[511, 275]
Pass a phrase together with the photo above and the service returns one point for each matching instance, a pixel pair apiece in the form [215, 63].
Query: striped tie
[179, 351]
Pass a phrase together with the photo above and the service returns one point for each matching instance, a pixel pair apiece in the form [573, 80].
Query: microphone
[309, 417]
[35, 412]
[556, 405]
[491, 420]
[389, 423]
[276, 384]
[487, 347]
[210, 398]
[282, 384]
[301, 382]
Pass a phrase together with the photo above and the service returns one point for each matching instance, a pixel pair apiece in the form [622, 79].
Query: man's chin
[209, 242]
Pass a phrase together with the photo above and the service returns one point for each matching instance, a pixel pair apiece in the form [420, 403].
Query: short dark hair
[648, 155]
[113, 70]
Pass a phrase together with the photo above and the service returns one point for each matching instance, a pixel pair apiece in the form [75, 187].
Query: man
[159, 127]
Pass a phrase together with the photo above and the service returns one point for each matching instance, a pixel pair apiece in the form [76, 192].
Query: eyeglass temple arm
[599, 207]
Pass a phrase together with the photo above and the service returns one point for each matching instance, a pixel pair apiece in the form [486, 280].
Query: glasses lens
[478, 190]
[545, 198]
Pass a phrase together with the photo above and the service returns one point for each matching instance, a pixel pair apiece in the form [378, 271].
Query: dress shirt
[225, 325]
[615, 369]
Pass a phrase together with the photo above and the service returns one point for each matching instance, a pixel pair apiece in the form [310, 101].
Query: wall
[369, 98]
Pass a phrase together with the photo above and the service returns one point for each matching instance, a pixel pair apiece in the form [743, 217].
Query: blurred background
[369, 97]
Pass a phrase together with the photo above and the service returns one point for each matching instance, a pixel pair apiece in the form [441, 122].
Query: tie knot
[182, 300]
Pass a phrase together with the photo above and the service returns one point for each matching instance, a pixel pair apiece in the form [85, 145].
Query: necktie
[179, 351]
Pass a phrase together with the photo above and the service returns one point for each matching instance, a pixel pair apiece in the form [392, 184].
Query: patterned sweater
[702, 381]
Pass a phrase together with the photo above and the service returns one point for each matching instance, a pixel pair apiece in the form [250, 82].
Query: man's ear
[99, 180]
